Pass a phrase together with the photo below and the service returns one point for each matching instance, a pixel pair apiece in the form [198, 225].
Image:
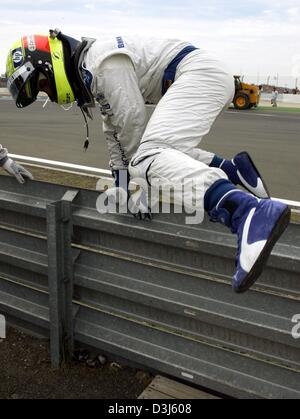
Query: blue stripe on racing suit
[170, 73]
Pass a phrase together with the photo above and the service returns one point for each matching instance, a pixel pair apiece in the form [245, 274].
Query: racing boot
[258, 224]
[242, 171]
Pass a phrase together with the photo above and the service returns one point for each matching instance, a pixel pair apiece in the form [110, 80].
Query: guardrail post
[60, 276]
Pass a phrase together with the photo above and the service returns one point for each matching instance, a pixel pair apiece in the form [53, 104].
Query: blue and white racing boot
[242, 171]
[258, 224]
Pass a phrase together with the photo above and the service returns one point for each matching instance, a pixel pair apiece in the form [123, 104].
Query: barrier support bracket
[60, 278]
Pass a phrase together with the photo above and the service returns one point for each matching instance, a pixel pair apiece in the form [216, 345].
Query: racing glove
[139, 206]
[137, 202]
[16, 170]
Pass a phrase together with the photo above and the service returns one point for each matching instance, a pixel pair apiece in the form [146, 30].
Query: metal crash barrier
[157, 294]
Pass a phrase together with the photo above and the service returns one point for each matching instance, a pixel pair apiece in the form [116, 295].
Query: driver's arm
[123, 108]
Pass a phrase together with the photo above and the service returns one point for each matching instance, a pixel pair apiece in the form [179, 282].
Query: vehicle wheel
[241, 102]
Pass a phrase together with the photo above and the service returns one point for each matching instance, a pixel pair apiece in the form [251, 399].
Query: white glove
[16, 170]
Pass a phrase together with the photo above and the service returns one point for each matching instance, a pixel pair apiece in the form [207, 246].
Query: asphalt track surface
[272, 138]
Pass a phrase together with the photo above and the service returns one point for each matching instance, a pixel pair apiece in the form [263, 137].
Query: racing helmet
[35, 58]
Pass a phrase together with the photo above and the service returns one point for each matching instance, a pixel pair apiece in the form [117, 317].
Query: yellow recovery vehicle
[247, 96]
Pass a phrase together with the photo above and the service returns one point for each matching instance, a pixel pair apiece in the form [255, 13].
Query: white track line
[293, 204]
[264, 115]
[95, 171]
[58, 164]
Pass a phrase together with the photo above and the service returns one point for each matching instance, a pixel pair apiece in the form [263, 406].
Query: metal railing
[104, 175]
[157, 294]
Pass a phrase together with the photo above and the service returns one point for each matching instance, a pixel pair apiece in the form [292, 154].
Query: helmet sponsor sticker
[31, 43]
[17, 56]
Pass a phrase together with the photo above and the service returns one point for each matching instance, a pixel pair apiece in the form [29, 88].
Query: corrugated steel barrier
[158, 294]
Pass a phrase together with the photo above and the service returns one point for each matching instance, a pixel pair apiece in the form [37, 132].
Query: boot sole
[263, 182]
[280, 227]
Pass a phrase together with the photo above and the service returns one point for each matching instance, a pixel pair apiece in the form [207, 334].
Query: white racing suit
[127, 73]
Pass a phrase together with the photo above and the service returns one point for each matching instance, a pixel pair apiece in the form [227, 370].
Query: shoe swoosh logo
[258, 190]
[250, 252]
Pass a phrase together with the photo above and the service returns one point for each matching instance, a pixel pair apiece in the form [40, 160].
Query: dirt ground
[25, 373]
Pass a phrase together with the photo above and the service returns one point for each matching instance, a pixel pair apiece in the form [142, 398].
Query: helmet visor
[22, 85]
